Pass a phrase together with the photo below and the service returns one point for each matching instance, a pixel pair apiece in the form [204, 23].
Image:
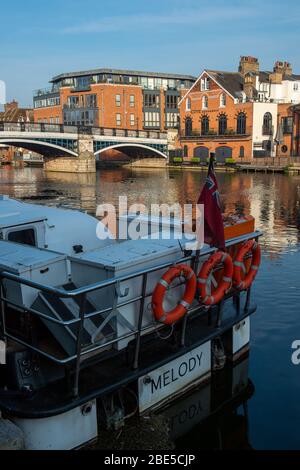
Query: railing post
[140, 323]
[78, 345]
[2, 308]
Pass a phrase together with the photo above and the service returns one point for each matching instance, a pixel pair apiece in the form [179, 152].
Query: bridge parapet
[75, 148]
[80, 130]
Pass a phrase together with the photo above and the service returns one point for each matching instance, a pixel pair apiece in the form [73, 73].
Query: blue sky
[40, 39]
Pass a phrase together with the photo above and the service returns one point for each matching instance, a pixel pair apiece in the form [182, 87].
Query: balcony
[83, 87]
[45, 91]
[196, 135]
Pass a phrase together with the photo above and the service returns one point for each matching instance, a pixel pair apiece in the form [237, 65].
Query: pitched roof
[265, 77]
[16, 114]
[230, 81]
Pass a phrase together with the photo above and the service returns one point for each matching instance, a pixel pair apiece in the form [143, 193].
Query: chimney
[285, 68]
[10, 106]
[248, 64]
[250, 86]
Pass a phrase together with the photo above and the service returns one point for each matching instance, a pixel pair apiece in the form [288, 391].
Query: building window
[242, 151]
[118, 100]
[188, 104]
[267, 124]
[172, 101]
[57, 120]
[188, 126]
[151, 119]
[204, 102]
[204, 125]
[205, 84]
[132, 120]
[172, 120]
[151, 100]
[222, 124]
[91, 101]
[51, 120]
[73, 101]
[241, 124]
[222, 100]
[118, 119]
[296, 86]
[287, 125]
[185, 151]
[132, 101]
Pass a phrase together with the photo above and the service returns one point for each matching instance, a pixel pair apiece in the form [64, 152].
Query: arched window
[204, 125]
[241, 124]
[222, 124]
[223, 100]
[267, 124]
[204, 102]
[188, 104]
[188, 126]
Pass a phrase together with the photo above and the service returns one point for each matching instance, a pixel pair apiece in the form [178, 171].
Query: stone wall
[71, 165]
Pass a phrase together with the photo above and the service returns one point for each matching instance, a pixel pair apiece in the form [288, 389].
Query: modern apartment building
[241, 115]
[110, 98]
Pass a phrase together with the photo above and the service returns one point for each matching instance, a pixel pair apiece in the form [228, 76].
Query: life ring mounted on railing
[242, 279]
[180, 270]
[210, 291]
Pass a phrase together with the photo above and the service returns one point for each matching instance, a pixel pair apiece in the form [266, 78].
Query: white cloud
[176, 18]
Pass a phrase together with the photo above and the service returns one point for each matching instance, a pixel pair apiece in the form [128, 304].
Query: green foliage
[229, 161]
[195, 160]
[177, 160]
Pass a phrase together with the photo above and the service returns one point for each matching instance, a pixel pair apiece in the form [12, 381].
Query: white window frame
[118, 119]
[118, 100]
[204, 102]
[188, 104]
[222, 100]
[132, 119]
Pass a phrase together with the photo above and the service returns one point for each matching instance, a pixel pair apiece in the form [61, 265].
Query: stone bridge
[76, 149]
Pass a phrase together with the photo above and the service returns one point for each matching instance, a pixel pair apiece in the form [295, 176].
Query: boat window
[27, 237]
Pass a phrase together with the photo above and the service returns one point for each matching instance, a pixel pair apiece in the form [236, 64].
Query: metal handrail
[118, 279]
[16, 126]
[82, 292]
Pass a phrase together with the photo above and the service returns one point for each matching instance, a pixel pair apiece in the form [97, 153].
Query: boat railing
[81, 294]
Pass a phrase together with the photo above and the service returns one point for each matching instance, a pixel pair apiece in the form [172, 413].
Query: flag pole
[210, 167]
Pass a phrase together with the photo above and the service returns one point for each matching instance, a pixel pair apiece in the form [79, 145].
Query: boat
[95, 329]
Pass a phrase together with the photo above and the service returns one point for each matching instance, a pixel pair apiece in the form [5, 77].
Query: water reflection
[274, 410]
[272, 199]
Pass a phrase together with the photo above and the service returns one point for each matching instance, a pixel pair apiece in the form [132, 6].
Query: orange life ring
[241, 278]
[160, 289]
[205, 278]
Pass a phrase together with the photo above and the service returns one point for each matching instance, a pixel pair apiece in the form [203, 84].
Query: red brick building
[12, 113]
[241, 115]
[111, 98]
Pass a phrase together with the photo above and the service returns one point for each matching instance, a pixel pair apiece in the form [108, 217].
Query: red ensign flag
[213, 221]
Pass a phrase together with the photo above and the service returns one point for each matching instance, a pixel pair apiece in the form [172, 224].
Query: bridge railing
[69, 129]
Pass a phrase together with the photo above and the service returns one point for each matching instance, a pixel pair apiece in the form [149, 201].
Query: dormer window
[223, 100]
[205, 84]
[204, 102]
[188, 104]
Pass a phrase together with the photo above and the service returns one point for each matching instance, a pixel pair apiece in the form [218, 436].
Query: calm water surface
[274, 409]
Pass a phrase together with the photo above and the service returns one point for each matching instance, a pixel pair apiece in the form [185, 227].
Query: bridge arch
[124, 146]
[44, 148]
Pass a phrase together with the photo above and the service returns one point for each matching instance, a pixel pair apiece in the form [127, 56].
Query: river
[273, 199]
